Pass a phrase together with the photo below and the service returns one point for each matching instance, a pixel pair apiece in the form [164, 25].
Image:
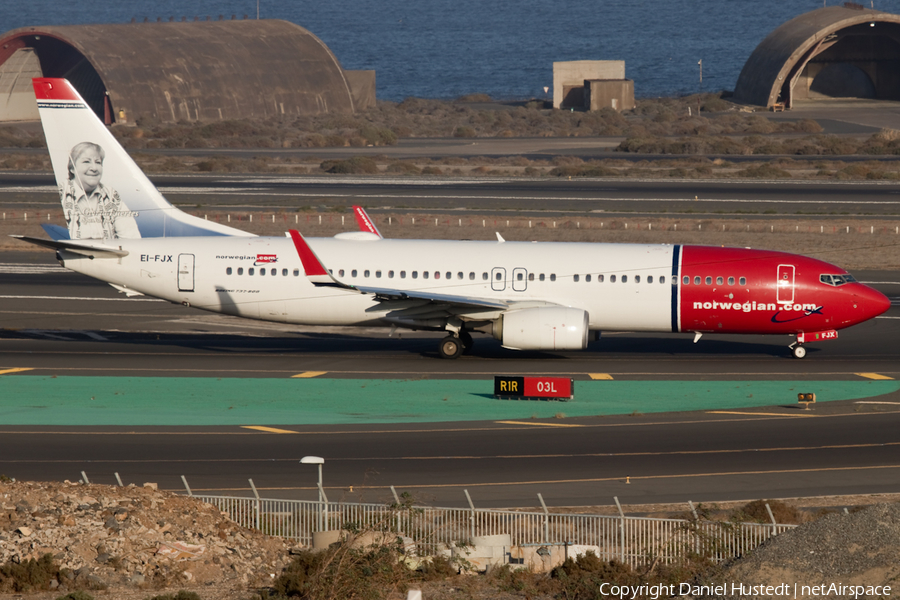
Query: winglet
[365, 223]
[315, 270]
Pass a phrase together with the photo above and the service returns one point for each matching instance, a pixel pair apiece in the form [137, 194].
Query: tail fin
[104, 194]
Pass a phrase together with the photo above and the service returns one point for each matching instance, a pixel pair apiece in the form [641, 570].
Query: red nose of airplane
[870, 302]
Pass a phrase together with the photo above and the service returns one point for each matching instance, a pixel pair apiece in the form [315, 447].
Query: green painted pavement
[135, 401]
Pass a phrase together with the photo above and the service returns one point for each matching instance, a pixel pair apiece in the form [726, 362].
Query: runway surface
[65, 326]
[520, 196]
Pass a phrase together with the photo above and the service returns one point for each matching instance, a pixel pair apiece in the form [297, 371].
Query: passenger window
[366, 273]
[424, 274]
[449, 275]
[552, 276]
[353, 273]
[472, 276]
[731, 281]
[531, 277]
[720, 280]
[284, 272]
[624, 278]
[600, 278]
[228, 271]
[742, 281]
[498, 277]
[484, 276]
[459, 275]
[415, 274]
[296, 272]
[637, 278]
[520, 277]
[541, 277]
[649, 278]
[340, 272]
[612, 278]
[402, 274]
[240, 270]
[708, 280]
[437, 274]
[262, 271]
[390, 274]
[575, 278]
[587, 278]
[697, 280]
[251, 271]
[378, 274]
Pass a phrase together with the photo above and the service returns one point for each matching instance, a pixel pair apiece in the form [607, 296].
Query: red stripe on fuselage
[800, 302]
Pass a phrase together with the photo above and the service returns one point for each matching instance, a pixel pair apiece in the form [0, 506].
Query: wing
[399, 305]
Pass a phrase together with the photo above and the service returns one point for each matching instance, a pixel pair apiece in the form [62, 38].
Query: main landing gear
[454, 345]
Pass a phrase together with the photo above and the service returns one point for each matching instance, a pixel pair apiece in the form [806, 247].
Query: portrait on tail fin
[93, 210]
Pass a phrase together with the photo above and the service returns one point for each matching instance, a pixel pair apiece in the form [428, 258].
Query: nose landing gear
[797, 350]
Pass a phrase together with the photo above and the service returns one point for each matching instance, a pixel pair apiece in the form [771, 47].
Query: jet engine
[543, 328]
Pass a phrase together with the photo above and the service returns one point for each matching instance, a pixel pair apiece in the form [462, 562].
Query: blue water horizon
[505, 48]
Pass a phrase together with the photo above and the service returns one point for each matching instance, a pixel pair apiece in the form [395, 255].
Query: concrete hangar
[182, 70]
[844, 51]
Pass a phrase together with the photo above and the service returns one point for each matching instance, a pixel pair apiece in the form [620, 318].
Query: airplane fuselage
[621, 287]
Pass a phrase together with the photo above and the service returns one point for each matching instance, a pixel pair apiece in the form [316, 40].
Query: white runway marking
[30, 269]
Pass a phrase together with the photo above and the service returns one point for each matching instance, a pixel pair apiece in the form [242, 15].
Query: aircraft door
[785, 284]
[498, 279]
[185, 272]
[520, 279]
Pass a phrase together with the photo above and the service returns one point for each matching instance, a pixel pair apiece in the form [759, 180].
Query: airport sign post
[526, 388]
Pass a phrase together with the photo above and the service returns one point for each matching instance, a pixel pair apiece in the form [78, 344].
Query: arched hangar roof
[848, 33]
[200, 70]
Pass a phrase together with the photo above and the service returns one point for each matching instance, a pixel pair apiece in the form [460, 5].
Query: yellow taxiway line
[538, 424]
[308, 374]
[267, 429]
[8, 371]
[873, 376]
[604, 376]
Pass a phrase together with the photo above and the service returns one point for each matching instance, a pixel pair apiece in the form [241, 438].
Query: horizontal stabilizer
[55, 231]
[74, 247]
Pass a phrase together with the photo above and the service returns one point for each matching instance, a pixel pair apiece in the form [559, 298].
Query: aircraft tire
[450, 347]
[798, 351]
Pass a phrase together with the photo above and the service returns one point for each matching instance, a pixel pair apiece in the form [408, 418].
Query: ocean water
[505, 48]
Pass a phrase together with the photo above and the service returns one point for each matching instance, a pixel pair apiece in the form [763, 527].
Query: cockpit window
[837, 280]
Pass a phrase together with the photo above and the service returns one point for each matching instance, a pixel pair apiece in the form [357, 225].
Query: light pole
[318, 460]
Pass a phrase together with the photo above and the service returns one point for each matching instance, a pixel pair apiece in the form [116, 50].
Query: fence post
[621, 526]
[186, 486]
[119, 479]
[84, 478]
[472, 517]
[256, 506]
[546, 519]
[774, 522]
[325, 506]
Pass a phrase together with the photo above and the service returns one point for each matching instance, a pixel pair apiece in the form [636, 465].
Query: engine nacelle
[543, 328]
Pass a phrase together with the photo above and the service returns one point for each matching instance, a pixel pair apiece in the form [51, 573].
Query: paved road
[500, 196]
[63, 324]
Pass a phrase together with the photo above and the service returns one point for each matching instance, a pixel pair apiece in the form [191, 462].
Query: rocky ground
[856, 549]
[129, 542]
[134, 543]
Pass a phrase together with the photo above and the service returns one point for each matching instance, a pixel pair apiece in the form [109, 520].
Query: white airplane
[530, 296]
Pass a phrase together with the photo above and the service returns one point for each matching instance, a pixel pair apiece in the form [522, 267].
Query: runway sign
[548, 388]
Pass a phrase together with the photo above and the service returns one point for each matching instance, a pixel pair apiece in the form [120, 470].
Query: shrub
[28, 576]
[181, 595]
[358, 165]
[755, 512]
[464, 132]
[76, 595]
